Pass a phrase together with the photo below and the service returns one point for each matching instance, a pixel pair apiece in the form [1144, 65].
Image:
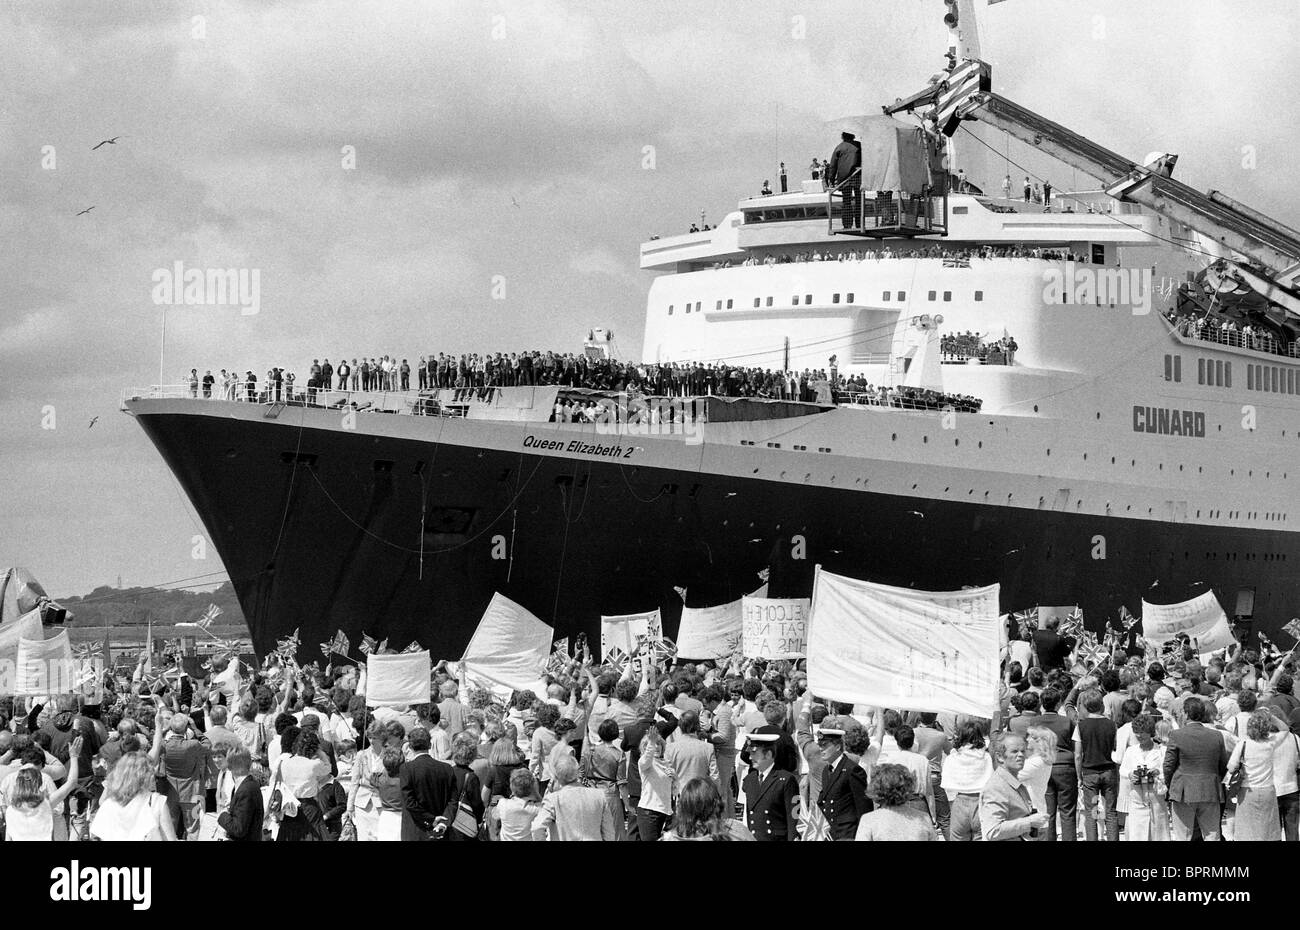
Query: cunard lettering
[1165, 421]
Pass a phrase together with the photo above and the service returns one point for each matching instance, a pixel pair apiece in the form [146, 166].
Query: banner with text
[1201, 619]
[775, 628]
[896, 647]
[621, 632]
[46, 666]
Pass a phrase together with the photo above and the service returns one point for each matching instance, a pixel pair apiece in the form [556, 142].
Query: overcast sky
[232, 129]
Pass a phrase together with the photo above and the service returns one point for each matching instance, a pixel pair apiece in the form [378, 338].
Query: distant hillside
[127, 607]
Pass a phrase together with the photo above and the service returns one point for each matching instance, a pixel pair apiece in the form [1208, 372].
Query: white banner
[46, 666]
[621, 632]
[1201, 618]
[28, 626]
[509, 647]
[775, 628]
[392, 680]
[710, 632]
[895, 647]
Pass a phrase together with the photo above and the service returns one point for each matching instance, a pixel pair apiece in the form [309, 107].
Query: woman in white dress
[130, 809]
[1129, 711]
[32, 798]
[1143, 772]
[1041, 743]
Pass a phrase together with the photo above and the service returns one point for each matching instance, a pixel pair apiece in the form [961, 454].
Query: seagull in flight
[112, 141]
[85, 211]
[515, 202]
[93, 421]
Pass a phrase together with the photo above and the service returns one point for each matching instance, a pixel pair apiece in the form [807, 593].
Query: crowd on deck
[578, 370]
[859, 391]
[888, 252]
[961, 347]
[1196, 324]
[647, 748]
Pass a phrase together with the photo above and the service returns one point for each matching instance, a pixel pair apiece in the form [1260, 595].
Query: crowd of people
[956, 348]
[887, 252]
[580, 371]
[1198, 324]
[859, 391]
[646, 748]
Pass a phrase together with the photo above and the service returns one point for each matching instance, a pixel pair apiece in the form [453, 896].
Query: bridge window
[758, 301]
[719, 306]
[1098, 254]
[1169, 368]
[902, 295]
[1178, 368]
[697, 306]
[807, 298]
[670, 309]
[885, 296]
[979, 296]
[769, 301]
[795, 300]
[1227, 374]
[688, 308]
[947, 296]
[728, 303]
[850, 297]
[1200, 371]
[932, 295]
[835, 298]
[1274, 381]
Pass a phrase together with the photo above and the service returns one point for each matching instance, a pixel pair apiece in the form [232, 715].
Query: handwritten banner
[1201, 619]
[896, 647]
[775, 628]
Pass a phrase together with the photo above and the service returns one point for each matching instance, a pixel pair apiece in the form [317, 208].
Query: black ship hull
[323, 530]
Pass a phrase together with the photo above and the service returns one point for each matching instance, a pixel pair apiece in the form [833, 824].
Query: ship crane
[1269, 251]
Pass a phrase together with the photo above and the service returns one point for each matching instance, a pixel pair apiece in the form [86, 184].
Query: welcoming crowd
[645, 748]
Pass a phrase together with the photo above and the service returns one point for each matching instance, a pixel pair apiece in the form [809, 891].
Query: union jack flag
[1293, 628]
[1072, 625]
[367, 644]
[956, 263]
[287, 648]
[212, 613]
[1026, 622]
[412, 646]
[339, 644]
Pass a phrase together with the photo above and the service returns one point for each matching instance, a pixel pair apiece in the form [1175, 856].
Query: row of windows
[1174, 368]
[1214, 372]
[1272, 379]
[807, 300]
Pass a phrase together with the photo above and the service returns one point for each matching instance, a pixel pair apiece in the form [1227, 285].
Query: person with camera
[1006, 810]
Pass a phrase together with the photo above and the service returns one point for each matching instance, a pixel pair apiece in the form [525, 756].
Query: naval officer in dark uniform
[843, 796]
[771, 805]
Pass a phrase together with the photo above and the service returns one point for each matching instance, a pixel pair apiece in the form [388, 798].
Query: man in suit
[1196, 760]
[1006, 810]
[429, 790]
[844, 169]
[242, 821]
[770, 810]
[688, 754]
[843, 795]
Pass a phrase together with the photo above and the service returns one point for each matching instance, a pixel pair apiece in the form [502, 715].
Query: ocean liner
[1131, 349]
